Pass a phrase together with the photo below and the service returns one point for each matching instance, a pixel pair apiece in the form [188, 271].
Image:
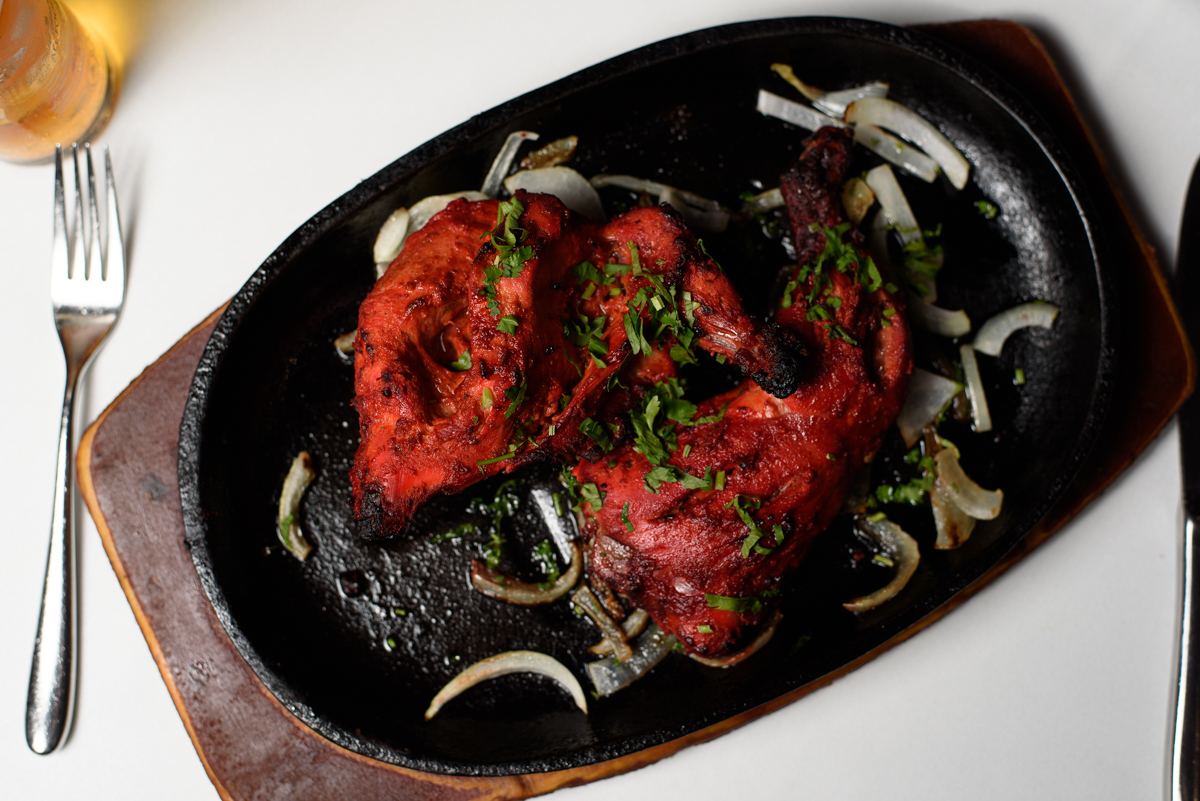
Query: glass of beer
[57, 81]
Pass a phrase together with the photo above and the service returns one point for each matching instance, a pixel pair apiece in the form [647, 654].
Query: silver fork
[87, 298]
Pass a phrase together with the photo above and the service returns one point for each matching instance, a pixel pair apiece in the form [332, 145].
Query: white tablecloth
[239, 120]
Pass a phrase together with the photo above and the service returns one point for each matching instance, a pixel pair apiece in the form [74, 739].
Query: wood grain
[252, 747]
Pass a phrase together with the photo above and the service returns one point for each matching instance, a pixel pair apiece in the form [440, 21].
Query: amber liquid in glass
[56, 81]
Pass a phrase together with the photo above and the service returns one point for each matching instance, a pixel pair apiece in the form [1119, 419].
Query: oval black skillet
[356, 640]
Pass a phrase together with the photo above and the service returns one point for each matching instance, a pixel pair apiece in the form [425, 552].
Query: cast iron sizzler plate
[356, 640]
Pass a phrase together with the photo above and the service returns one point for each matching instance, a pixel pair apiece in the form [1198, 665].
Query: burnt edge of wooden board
[240, 731]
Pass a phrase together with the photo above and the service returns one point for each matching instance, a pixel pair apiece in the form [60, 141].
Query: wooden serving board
[251, 746]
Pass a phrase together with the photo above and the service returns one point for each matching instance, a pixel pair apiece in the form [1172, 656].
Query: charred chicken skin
[704, 555]
[476, 359]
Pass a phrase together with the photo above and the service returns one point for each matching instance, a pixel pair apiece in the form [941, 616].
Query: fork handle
[52, 677]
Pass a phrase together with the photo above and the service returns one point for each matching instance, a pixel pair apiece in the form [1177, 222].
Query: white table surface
[239, 120]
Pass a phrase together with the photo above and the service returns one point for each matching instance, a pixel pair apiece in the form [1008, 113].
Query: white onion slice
[423, 210]
[609, 675]
[564, 183]
[857, 199]
[766, 201]
[781, 108]
[589, 604]
[299, 476]
[391, 236]
[345, 343]
[502, 665]
[894, 204]
[928, 395]
[904, 553]
[896, 151]
[750, 650]
[831, 102]
[916, 129]
[698, 211]
[980, 416]
[992, 334]
[898, 214]
[973, 499]
[937, 320]
[504, 160]
[633, 625]
[953, 525]
[521, 593]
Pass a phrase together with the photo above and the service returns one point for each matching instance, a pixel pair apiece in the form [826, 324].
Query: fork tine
[114, 242]
[78, 249]
[94, 261]
[60, 260]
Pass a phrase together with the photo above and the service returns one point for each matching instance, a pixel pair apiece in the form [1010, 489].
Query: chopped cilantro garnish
[988, 210]
[590, 493]
[704, 628]
[558, 507]
[543, 554]
[1018, 376]
[915, 491]
[875, 518]
[667, 474]
[753, 604]
[486, 399]
[510, 254]
[456, 533]
[482, 463]
[625, 517]
[508, 324]
[883, 560]
[494, 549]
[719, 482]
[515, 395]
[285, 531]
[463, 362]
[756, 533]
[596, 433]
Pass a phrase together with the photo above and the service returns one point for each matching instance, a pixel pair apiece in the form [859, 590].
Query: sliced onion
[953, 525]
[916, 129]
[899, 215]
[423, 210]
[896, 151]
[565, 184]
[894, 204]
[564, 539]
[942, 322]
[980, 416]
[995, 331]
[762, 639]
[609, 675]
[904, 553]
[765, 201]
[522, 593]
[504, 160]
[973, 499]
[857, 199]
[831, 102]
[299, 476]
[928, 395]
[781, 108]
[698, 211]
[391, 236]
[590, 606]
[634, 625]
[557, 152]
[345, 343]
[502, 665]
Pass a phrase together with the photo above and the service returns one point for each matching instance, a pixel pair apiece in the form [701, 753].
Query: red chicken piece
[471, 360]
[705, 562]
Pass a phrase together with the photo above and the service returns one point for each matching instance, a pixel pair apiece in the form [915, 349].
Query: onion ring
[510, 590]
[995, 331]
[973, 499]
[502, 665]
[981, 417]
[762, 639]
[564, 183]
[928, 395]
[916, 129]
[904, 552]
